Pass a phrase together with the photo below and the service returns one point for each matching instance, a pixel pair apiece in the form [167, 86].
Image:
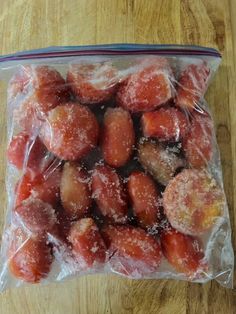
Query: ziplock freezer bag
[113, 166]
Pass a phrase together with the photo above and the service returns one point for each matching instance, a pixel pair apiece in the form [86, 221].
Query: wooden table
[37, 23]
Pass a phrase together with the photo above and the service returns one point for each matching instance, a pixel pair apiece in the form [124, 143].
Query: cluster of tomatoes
[114, 165]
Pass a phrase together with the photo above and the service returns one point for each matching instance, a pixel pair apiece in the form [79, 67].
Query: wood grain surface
[37, 23]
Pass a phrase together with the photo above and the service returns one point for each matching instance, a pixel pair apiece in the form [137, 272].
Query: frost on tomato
[108, 192]
[23, 149]
[118, 137]
[20, 98]
[23, 188]
[43, 86]
[45, 187]
[92, 83]
[167, 124]
[161, 162]
[198, 143]
[30, 258]
[192, 85]
[34, 90]
[145, 199]
[193, 201]
[75, 191]
[87, 242]
[35, 215]
[48, 187]
[27, 117]
[20, 83]
[149, 87]
[183, 252]
[50, 88]
[132, 251]
[70, 132]
[17, 149]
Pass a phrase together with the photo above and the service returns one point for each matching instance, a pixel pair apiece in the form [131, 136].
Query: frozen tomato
[70, 131]
[45, 187]
[161, 162]
[132, 251]
[20, 97]
[87, 242]
[28, 117]
[198, 143]
[108, 192]
[43, 87]
[17, 149]
[75, 190]
[193, 201]
[35, 215]
[147, 88]
[167, 124]
[50, 89]
[92, 83]
[48, 189]
[23, 187]
[118, 137]
[20, 83]
[34, 90]
[182, 251]
[30, 258]
[24, 149]
[145, 198]
[192, 85]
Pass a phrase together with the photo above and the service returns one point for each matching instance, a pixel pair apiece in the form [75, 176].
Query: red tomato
[75, 191]
[118, 137]
[48, 190]
[87, 242]
[145, 199]
[92, 83]
[20, 96]
[24, 186]
[49, 86]
[70, 131]
[167, 124]
[20, 83]
[108, 192]
[198, 143]
[159, 161]
[27, 117]
[34, 90]
[147, 88]
[17, 149]
[29, 258]
[182, 251]
[132, 251]
[23, 149]
[193, 201]
[44, 187]
[35, 215]
[40, 85]
[192, 85]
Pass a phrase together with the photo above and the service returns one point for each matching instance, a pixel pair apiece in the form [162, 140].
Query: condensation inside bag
[113, 166]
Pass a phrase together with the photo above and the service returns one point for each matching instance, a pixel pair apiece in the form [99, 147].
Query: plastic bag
[113, 166]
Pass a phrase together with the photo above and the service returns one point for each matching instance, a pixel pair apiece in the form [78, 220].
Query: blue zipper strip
[111, 49]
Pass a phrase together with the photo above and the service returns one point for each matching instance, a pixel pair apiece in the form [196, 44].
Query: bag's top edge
[110, 49]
